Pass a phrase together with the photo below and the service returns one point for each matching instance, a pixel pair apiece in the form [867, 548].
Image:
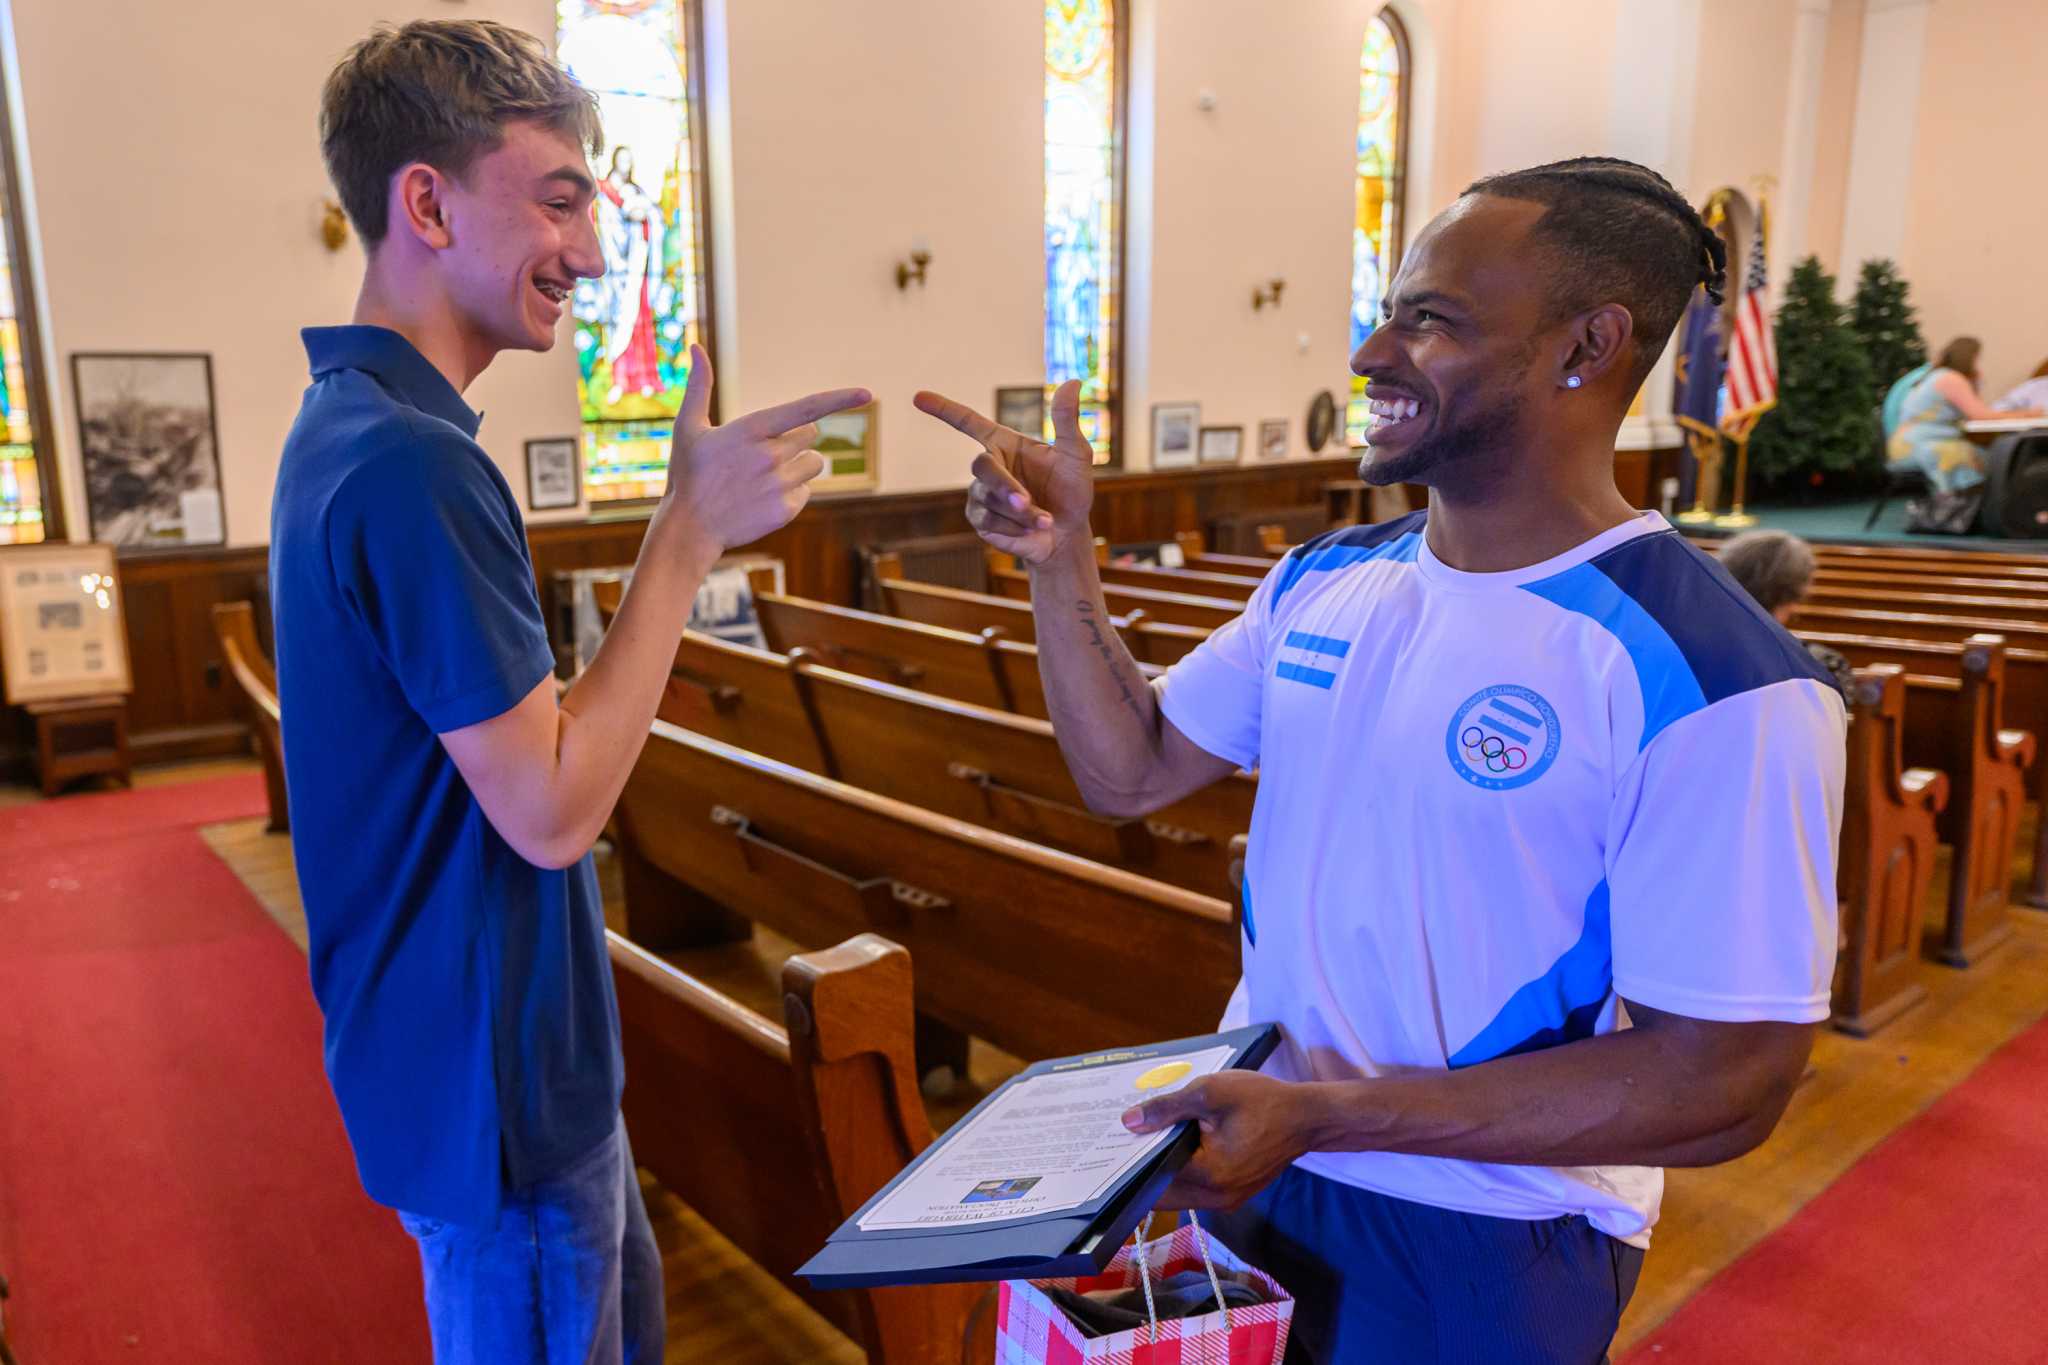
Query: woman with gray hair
[1777, 568]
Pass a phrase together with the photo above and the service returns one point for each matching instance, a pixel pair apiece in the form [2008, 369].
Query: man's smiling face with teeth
[1450, 360]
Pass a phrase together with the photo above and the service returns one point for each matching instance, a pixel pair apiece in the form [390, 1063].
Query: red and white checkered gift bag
[1032, 1330]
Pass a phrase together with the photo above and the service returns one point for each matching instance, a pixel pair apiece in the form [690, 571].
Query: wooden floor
[722, 1307]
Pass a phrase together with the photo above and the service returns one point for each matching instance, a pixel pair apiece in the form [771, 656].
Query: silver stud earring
[1572, 381]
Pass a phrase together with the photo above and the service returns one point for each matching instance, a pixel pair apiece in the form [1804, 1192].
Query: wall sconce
[334, 226]
[1269, 294]
[913, 269]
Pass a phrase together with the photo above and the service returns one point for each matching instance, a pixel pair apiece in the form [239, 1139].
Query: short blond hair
[438, 91]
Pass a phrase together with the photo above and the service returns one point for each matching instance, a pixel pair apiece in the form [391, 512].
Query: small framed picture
[554, 474]
[1022, 409]
[1273, 439]
[1222, 445]
[1174, 427]
[151, 454]
[847, 441]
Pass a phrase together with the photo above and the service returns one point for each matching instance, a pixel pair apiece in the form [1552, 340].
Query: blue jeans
[1379, 1279]
[569, 1275]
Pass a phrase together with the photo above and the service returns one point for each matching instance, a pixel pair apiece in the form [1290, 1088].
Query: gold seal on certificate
[1163, 1075]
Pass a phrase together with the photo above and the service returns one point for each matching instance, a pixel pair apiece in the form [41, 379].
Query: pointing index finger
[958, 416]
[801, 411]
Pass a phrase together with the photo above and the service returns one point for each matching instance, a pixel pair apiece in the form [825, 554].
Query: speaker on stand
[2016, 486]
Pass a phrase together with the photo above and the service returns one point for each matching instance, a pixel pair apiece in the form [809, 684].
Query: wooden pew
[1039, 952]
[777, 1131]
[1953, 725]
[1887, 858]
[1164, 643]
[2025, 707]
[1910, 625]
[1965, 581]
[1194, 553]
[950, 663]
[956, 609]
[1150, 641]
[743, 696]
[1172, 608]
[234, 629]
[1006, 772]
[2032, 611]
[1200, 582]
[1909, 559]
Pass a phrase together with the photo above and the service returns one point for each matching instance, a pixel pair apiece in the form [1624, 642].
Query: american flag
[1753, 354]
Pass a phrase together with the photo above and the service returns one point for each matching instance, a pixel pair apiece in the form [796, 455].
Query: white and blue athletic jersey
[1494, 805]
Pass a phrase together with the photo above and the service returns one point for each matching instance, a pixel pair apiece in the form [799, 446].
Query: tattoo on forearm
[1088, 619]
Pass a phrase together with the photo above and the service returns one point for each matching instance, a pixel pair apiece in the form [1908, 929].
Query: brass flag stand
[1706, 455]
[1735, 516]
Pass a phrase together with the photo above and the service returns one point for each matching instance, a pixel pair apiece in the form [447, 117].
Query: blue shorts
[1380, 1279]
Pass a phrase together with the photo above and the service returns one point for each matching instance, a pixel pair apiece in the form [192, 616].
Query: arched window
[1382, 165]
[29, 508]
[634, 326]
[1085, 65]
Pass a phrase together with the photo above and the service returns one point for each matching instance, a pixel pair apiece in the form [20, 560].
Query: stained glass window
[21, 486]
[1376, 215]
[634, 326]
[1083, 205]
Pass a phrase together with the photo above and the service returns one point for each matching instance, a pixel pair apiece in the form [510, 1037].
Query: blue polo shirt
[472, 1036]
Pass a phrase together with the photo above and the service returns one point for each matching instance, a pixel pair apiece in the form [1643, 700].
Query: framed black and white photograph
[554, 474]
[151, 451]
[1022, 409]
[1174, 428]
[1222, 445]
[1273, 439]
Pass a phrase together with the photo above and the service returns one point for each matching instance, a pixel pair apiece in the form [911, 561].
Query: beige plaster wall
[1977, 196]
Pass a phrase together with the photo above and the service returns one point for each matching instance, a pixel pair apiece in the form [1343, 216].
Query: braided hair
[1618, 232]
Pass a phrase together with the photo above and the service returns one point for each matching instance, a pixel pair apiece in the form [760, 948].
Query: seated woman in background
[1924, 413]
[1776, 568]
[2029, 395]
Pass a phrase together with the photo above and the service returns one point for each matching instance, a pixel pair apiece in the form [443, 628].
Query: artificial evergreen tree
[1883, 316]
[1822, 435]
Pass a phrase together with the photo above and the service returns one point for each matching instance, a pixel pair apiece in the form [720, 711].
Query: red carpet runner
[174, 1181]
[1932, 1248]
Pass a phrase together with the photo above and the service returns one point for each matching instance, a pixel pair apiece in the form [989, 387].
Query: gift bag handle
[1145, 1274]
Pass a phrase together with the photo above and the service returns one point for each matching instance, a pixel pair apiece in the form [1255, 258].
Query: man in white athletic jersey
[1541, 877]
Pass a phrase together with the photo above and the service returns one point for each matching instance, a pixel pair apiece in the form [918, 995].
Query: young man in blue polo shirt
[1541, 875]
[444, 799]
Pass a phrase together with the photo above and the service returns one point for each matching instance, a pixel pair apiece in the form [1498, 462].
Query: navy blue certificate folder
[1074, 1241]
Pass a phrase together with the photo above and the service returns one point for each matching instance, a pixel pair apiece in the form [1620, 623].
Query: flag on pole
[1697, 389]
[1753, 353]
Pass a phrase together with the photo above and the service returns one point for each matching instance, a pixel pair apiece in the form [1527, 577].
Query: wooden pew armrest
[1925, 788]
[882, 901]
[2017, 742]
[1105, 838]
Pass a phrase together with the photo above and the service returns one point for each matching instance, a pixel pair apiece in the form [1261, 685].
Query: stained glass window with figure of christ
[1083, 212]
[1380, 176]
[635, 325]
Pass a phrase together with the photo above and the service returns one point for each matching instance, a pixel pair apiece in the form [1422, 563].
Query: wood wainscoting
[185, 706]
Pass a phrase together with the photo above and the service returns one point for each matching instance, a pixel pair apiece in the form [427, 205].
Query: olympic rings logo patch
[1502, 737]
